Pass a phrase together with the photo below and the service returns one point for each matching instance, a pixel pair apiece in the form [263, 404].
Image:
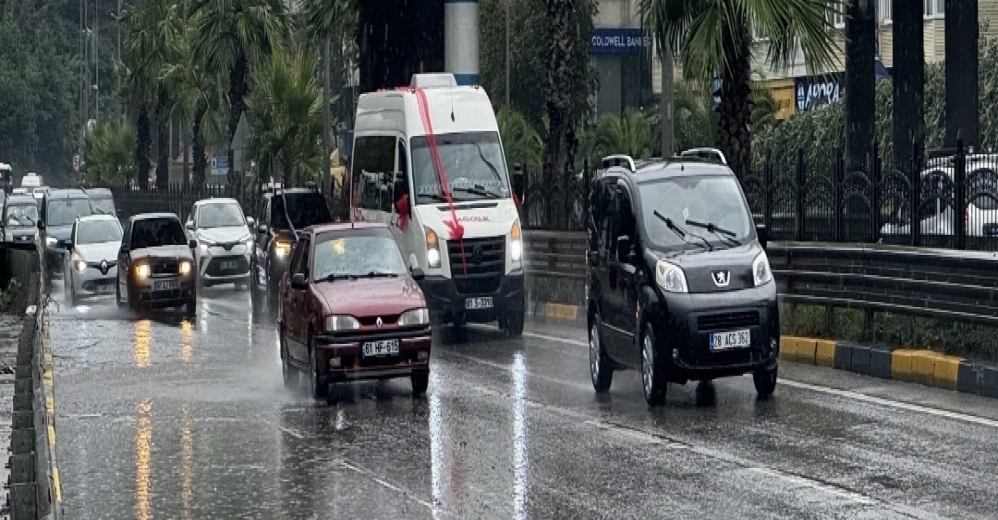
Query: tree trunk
[186, 149]
[326, 113]
[197, 142]
[861, 101]
[961, 32]
[909, 82]
[238, 89]
[162, 144]
[562, 69]
[143, 148]
[735, 112]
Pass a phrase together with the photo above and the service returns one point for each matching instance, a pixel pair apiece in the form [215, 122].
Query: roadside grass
[10, 297]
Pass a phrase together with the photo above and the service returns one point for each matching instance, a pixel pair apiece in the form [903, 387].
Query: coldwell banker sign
[618, 41]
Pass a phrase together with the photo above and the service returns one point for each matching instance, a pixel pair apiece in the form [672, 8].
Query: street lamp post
[507, 54]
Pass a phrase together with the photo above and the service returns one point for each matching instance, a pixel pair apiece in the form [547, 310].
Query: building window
[934, 8]
[884, 11]
[837, 14]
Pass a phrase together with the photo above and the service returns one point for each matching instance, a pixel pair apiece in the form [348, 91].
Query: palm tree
[287, 117]
[522, 143]
[108, 148]
[714, 37]
[233, 36]
[631, 134]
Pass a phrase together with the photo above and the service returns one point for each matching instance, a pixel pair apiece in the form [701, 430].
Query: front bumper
[91, 282]
[683, 332]
[215, 264]
[145, 293]
[446, 304]
[413, 356]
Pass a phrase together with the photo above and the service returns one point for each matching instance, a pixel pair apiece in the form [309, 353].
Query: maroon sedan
[351, 310]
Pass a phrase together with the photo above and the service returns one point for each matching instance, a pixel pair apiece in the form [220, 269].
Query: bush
[821, 132]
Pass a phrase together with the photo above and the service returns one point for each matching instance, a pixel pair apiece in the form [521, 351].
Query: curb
[551, 311]
[48, 392]
[921, 366]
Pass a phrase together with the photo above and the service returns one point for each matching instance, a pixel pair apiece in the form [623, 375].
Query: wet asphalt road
[163, 418]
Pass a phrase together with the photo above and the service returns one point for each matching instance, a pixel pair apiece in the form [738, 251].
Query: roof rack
[712, 154]
[619, 160]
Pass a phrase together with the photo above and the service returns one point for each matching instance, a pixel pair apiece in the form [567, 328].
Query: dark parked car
[351, 309]
[59, 211]
[679, 282]
[156, 264]
[275, 236]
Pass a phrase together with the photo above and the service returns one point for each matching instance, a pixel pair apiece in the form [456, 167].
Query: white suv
[225, 243]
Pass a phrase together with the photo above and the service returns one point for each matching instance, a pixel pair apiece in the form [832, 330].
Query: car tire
[286, 370]
[765, 381]
[653, 380]
[513, 323]
[317, 388]
[600, 368]
[191, 306]
[73, 298]
[420, 382]
[117, 294]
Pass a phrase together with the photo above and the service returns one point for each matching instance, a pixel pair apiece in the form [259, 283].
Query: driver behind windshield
[21, 215]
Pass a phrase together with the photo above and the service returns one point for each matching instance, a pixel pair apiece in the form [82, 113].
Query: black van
[679, 284]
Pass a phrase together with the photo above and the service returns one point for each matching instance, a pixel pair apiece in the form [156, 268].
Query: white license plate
[105, 289]
[165, 285]
[731, 339]
[482, 302]
[231, 264]
[385, 347]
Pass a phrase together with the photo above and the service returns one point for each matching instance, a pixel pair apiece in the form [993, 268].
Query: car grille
[165, 267]
[97, 266]
[215, 266]
[24, 238]
[727, 320]
[372, 321]
[485, 259]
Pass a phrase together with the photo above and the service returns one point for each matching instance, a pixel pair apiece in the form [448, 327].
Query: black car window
[62, 212]
[296, 257]
[305, 209]
[97, 231]
[706, 199]
[155, 232]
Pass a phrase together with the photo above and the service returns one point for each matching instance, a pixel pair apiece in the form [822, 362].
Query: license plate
[165, 285]
[482, 302]
[230, 264]
[731, 339]
[385, 347]
[105, 289]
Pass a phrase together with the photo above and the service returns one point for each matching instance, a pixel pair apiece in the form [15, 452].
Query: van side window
[626, 222]
[373, 172]
[607, 216]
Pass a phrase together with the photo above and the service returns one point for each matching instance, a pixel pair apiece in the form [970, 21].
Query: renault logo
[103, 266]
[379, 323]
[721, 278]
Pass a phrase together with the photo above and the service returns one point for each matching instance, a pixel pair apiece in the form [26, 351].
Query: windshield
[158, 232]
[689, 201]
[305, 209]
[98, 231]
[103, 205]
[21, 215]
[357, 255]
[220, 215]
[473, 165]
[62, 212]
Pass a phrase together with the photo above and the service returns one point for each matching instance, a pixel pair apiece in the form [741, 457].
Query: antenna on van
[452, 106]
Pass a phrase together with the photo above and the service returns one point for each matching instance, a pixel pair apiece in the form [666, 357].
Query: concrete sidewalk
[10, 332]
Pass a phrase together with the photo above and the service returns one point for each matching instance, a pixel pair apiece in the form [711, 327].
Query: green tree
[715, 38]
[287, 117]
[630, 134]
[233, 36]
[108, 148]
[520, 140]
[526, 55]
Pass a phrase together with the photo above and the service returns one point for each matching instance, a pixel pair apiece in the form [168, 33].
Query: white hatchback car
[91, 267]
[224, 241]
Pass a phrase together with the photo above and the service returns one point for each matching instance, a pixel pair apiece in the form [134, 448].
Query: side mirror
[298, 281]
[763, 234]
[41, 224]
[417, 273]
[189, 225]
[518, 185]
[623, 248]
[250, 221]
[262, 229]
[119, 213]
[69, 245]
[193, 244]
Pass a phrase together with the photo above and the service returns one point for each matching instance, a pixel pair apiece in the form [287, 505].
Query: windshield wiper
[722, 233]
[682, 232]
[480, 190]
[380, 274]
[334, 276]
[435, 196]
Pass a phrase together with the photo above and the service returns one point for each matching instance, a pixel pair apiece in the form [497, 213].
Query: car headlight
[670, 277]
[142, 271]
[761, 272]
[185, 267]
[247, 240]
[78, 262]
[51, 241]
[432, 249]
[414, 317]
[515, 242]
[337, 323]
[282, 249]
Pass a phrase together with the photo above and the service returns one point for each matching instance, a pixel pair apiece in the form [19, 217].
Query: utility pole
[96, 60]
[326, 115]
[507, 54]
[668, 139]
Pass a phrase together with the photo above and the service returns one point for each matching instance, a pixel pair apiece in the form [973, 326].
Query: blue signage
[618, 41]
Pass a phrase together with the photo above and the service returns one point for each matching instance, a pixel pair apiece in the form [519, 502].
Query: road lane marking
[805, 482]
[357, 469]
[900, 405]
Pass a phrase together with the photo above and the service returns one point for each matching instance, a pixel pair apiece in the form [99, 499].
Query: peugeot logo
[379, 323]
[476, 255]
[721, 278]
